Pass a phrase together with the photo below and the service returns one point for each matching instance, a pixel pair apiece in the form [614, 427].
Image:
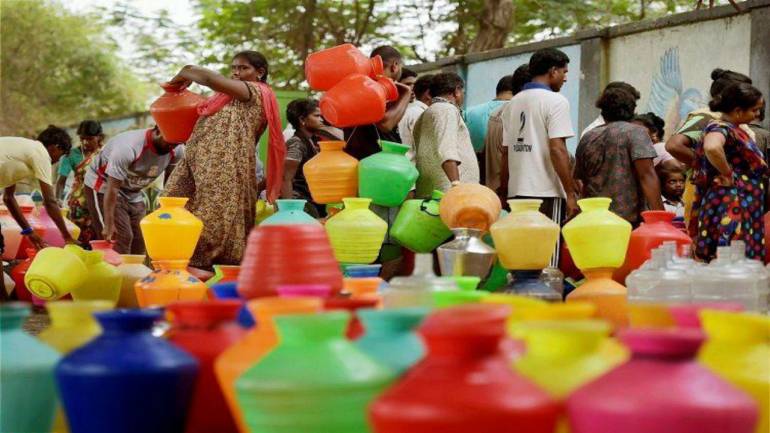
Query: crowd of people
[711, 173]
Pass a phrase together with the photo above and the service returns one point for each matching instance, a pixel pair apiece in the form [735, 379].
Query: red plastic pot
[357, 100]
[29, 214]
[110, 256]
[355, 328]
[656, 229]
[325, 68]
[176, 112]
[280, 255]
[661, 389]
[205, 329]
[17, 275]
[465, 383]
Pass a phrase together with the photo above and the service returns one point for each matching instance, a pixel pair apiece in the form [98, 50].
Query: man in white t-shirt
[536, 125]
[419, 104]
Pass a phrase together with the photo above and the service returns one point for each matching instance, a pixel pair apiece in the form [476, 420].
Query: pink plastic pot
[686, 315]
[661, 389]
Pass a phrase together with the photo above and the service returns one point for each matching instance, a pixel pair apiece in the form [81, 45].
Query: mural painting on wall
[669, 97]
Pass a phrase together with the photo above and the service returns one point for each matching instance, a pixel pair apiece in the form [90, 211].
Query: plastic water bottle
[757, 270]
[657, 282]
[726, 280]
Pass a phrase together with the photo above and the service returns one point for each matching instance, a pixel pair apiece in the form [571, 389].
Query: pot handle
[424, 207]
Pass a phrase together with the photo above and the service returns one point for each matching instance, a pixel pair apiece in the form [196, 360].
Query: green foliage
[59, 68]
[287, 31]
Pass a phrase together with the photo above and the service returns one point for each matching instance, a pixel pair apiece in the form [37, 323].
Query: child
[672, 187]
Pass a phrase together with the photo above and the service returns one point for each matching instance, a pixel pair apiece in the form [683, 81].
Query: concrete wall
[671, 67]
[669, 60]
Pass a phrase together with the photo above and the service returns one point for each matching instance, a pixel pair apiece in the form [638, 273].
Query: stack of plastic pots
[170, 234]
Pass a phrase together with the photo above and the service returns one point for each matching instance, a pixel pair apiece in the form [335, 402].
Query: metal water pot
[466, 255]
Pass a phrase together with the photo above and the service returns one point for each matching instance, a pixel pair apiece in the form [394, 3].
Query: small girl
[672, 187]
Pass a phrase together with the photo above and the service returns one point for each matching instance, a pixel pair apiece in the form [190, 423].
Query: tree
[57, 70]
[286, 31]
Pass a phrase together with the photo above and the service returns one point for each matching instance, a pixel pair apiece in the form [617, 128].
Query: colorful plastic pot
[656, 229]
[242, 355]
[205, 329]
[387, 176]
[609, 296]
[332, 174]
[661, 389]
[328, 381]
[224, 274]
[171, 232]
[357, 100]
[170, 282]
[294, 290]
[418, 225]
[458, 297]
[110, 255]
[471, 206]
[354, 329]
[175, 112]
[738, 350]
[27, 389]
[525, 239]
[11, 234]
[390, 339]
[356, 234]
[102, 282]
[293, 254]
[290, 212]
[132, 269]
[126, 367]
[597, 238]
[325, 68]
[55, 272]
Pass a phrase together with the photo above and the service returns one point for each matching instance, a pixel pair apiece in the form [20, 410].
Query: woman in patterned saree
[91, 139]
[218, 172]
[729, 176]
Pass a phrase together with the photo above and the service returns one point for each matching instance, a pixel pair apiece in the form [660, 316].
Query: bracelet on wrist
[27, 231]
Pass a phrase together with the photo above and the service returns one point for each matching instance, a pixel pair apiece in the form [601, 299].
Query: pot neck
[170, 265]
[289, 205]
[657, 216]
[524, 205]
[594, 203]
[356, 203]
[665, 345]
[128, 321]
[393, 321]
[330, 146]
[168, 202]
[205, 313]
[462, 232]
[312, 328]
[465, 331]
[598, 273]
[394, 148]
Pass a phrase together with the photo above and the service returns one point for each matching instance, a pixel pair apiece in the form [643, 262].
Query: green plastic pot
[387, 176]
[418, 225]
[290, 211]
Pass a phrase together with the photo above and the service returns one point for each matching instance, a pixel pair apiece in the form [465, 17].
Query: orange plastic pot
[357, 100]
[239, 357]
[325, 68]
[471, 206]
[176, 112]
[332, 174]
[170, 282]
[656, 229]
[609, 296]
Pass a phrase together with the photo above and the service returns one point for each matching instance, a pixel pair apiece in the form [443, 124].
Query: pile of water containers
[677, 278]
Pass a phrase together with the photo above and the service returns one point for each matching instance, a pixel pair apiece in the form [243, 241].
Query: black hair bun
[717, 73]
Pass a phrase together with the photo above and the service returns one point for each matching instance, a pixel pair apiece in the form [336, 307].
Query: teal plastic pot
[389, 336]
[27, 390]
[290, 211]
[387, 176]
[418, 225]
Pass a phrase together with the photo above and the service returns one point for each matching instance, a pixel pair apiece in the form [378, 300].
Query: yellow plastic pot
[525, 239]
[738, 349]
[55, 272]
[132, 269]
[171, 232]
[102, 280]
[597, 238]
[356, 234]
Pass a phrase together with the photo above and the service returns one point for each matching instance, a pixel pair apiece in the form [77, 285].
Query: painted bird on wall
[668, 99]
